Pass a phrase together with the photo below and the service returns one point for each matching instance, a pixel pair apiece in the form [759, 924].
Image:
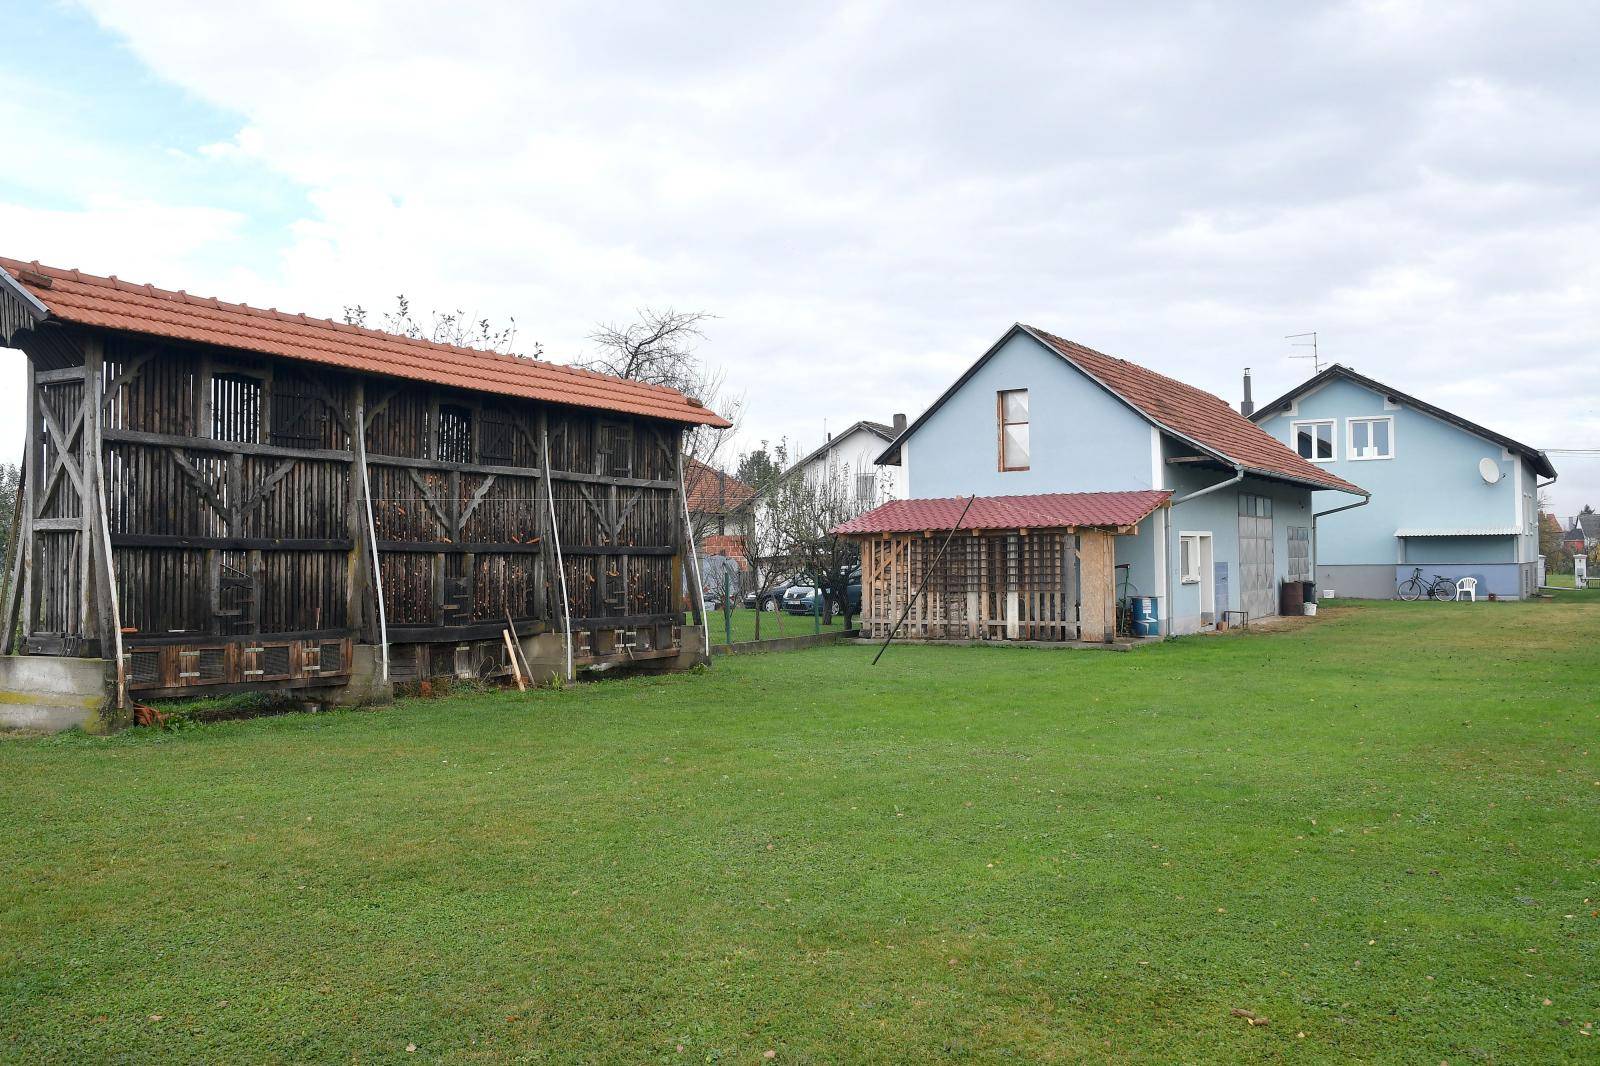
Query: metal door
[1256, 594]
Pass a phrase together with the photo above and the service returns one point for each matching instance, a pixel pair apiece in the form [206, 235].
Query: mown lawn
[1380, 832]
[774, 624]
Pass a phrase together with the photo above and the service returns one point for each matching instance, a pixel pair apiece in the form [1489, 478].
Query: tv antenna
[1300, 342]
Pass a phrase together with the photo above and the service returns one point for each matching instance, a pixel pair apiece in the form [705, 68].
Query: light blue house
[1448, 495]
[1040, 414]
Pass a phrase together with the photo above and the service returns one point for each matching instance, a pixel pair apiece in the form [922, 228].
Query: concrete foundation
[53, 693]
[366, 686]
[547, 657]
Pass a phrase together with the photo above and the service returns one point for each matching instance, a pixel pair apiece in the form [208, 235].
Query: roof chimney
[1247, 406]
[899, 424]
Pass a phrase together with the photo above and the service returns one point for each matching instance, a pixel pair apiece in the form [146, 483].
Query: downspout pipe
[561, 569]
[1172, 553]
[1322, 514]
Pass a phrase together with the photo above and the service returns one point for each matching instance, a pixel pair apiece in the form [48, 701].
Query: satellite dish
[1489, 470]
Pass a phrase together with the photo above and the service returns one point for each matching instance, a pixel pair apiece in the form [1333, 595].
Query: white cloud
[868, 194]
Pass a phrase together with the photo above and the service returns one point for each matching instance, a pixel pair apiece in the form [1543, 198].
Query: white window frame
[1196, 575]
[1333, 438]
[1349, 438]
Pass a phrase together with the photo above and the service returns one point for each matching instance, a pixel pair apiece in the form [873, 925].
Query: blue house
[1039, 415]
[1448, 495]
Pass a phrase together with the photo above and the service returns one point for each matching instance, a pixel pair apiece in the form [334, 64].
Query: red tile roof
[712, 491]
[1194, 413]
[1053, 510]
[110, 303]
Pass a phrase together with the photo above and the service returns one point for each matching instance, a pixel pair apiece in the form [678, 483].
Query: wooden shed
[238, 497]
[1034, 568]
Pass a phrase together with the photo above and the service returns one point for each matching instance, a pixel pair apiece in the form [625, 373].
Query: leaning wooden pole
[108, 573]
[13, 597]
[359, 442]
[927, 572]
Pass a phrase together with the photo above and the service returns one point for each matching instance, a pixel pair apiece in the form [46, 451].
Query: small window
[866, 488]
[1189, 558]
[1371, 438]
[455, 434]
[1314, 440]
[1013, 406]
[236, 408]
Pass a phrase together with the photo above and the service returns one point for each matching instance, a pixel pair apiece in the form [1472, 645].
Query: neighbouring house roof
[1053, 510]
[712, 491]
[1194, 416]
[1541, 461]
[877, 429]
[1459, 531]
[1589, 523]
[110, 303]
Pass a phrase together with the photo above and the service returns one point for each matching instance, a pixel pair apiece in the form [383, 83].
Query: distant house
[853, 454]
[1096, 481]
[1577, 537]
[717, 504]
[1587, 528]
[1448, 495]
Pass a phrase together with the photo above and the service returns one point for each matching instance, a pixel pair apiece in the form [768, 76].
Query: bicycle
[1414, 588]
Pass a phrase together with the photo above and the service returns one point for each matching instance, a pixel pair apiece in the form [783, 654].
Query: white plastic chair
[1469, 585]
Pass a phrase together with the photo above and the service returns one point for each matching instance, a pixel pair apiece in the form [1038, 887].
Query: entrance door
[1256, 594]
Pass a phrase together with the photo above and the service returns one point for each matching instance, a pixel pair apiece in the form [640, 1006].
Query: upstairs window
[236, 408]
[1314, 440]
[455, 434]
[866, 488]
[1371, 438]
[1013, 408]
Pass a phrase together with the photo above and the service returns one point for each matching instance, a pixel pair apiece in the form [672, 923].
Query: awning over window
[1461, 531]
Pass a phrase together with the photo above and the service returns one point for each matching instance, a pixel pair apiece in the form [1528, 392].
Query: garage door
[1256, 594]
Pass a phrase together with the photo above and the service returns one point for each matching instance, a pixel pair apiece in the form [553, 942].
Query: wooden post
[355, 575]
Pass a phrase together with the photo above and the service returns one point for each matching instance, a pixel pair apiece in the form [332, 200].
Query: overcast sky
[866, 194]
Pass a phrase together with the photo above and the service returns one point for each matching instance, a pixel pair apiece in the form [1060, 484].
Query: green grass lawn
[1379, 831]
[1563, 581]
[774, 624]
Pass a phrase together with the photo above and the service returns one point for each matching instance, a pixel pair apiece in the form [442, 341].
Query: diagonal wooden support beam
[477, 498]
[202, 483]
[439, 514]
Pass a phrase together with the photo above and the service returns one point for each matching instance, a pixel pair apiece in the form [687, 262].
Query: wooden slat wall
[1018, 585]
[235, 509]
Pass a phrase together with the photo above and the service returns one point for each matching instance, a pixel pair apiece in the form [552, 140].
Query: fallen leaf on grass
[1249, 1016]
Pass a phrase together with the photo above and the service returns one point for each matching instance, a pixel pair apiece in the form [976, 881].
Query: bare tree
[764, 526]
[812, 503]
[448, 327]
[659, 348]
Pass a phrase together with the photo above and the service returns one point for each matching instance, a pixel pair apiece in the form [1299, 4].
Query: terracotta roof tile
[1053, 510]
[712, 491]
[111, 303]
[1194, 413]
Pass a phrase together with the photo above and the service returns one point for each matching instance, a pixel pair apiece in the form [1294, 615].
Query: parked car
[769, 600]
[802, 599]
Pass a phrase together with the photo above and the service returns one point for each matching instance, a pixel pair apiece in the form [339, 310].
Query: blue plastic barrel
[1146, 616]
